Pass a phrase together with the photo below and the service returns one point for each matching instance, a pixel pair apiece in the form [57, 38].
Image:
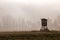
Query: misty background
[25, 15]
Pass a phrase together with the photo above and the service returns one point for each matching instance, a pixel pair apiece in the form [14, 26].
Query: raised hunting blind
[44, 25]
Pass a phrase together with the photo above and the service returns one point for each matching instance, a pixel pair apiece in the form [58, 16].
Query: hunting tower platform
[44, 27]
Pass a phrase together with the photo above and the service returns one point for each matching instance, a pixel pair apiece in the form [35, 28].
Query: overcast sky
[32, 10]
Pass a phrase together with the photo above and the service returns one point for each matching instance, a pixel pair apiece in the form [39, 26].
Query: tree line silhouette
[9, 23]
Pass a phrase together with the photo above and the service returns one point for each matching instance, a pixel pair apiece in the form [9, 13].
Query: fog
[25, 15]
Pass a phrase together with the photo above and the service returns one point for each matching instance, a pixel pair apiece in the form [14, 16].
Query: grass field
[29, 35]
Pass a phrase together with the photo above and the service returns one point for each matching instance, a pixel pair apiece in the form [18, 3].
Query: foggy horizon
[25, 15]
